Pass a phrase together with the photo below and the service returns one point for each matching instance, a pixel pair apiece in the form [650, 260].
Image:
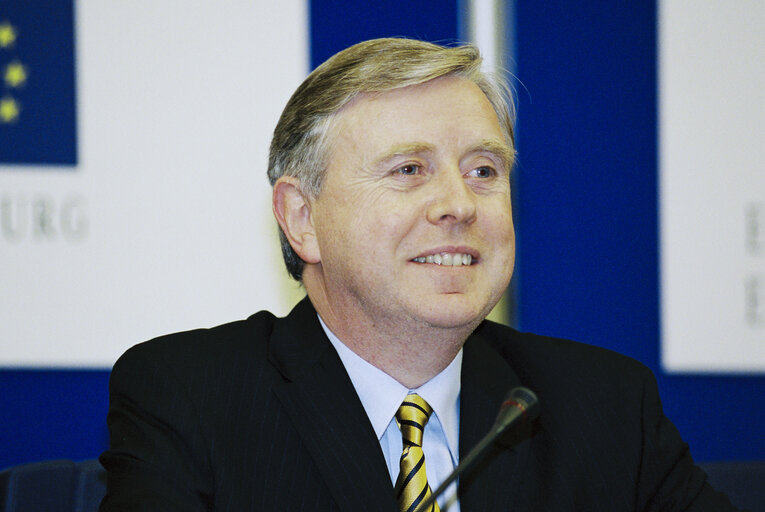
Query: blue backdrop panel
[587, 224]
[338, 24]
[52, 414]
[37, 85]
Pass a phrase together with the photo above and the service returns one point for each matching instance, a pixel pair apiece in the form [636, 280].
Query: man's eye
[483, 172]
[409, 170]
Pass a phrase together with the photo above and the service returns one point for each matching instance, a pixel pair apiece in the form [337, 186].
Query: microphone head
[520, 407]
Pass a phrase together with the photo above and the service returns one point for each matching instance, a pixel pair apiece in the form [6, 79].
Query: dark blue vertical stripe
[587, 223]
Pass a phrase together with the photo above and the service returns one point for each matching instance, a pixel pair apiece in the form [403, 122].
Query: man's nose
[453, 201]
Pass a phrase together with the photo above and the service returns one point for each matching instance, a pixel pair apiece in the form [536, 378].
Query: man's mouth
[449, 259]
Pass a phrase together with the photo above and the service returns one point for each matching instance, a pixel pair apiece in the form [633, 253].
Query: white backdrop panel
[165, 224]
[712, 185]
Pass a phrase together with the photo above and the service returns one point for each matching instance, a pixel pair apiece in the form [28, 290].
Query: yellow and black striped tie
[412, 483]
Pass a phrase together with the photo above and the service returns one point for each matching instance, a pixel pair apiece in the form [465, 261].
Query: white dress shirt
[381, 395]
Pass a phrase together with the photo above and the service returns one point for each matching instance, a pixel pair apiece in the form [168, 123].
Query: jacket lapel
[319, 398]
[494, 481]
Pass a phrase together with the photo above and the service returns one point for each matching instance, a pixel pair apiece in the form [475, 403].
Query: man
[390, 167]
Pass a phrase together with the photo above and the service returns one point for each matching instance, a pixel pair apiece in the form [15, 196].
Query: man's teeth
[447, 259]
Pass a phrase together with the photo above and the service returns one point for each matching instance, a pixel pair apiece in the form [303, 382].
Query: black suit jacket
[261, 415]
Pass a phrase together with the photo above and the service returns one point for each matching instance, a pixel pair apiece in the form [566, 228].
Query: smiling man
[409, 244]
[391, 169]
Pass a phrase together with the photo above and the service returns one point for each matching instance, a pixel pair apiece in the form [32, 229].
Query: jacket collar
[320, 399]
[493, 483]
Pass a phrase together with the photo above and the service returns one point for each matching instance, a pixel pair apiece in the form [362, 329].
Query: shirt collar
[381, 395]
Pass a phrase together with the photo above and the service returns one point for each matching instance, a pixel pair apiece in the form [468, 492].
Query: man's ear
[293, 213]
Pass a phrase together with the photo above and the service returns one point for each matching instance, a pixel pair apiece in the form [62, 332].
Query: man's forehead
[414, 90]
[407, 117]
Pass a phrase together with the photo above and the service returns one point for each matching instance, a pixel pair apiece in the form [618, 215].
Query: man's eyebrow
[408, 148]
[505, 153]
[502, 151]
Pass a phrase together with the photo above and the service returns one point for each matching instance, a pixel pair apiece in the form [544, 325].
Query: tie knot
[412, 416]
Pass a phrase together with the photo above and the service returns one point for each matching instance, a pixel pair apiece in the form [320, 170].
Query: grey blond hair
[299, 147]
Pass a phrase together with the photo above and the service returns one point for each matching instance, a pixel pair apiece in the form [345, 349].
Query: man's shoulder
[238, 346]
[601, 394]
[189, 352]
[535, 356]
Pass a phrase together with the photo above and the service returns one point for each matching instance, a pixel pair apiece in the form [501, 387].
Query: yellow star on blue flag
[15, 74]
[9, 110]
[7, 35]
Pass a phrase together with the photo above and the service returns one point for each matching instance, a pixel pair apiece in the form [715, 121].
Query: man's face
[416, 176]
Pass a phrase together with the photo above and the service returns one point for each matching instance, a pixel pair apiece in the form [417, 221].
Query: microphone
[520, 408]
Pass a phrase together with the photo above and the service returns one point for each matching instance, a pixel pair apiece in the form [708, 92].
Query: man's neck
[410, 351]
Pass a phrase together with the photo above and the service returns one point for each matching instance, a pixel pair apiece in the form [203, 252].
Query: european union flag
[38, 116]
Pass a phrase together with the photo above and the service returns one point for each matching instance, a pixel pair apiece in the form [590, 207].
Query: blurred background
[134, 200]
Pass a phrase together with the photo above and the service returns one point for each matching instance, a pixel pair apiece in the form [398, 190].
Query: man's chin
[454, 314]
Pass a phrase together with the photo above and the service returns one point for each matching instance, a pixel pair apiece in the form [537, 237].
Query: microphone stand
[521, 406]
